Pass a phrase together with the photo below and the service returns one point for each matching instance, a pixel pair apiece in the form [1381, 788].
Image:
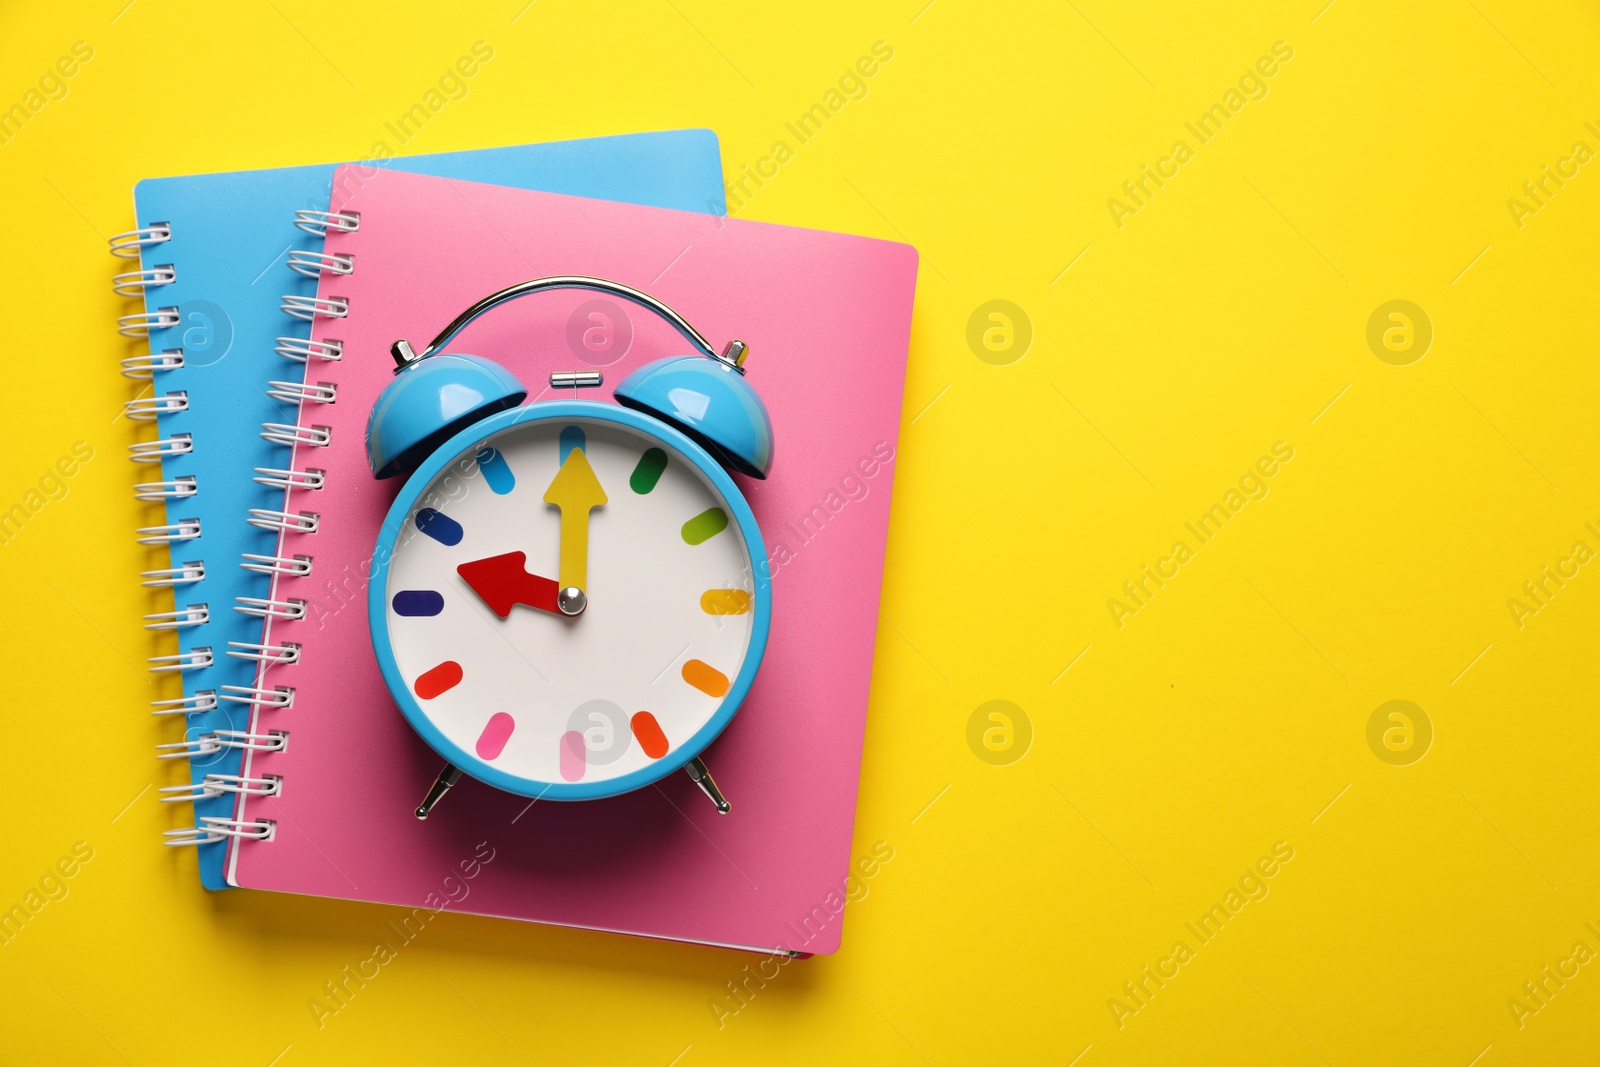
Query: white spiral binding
[316, 264]
[217, 740]
[301, 349]
[288, 652]
[135, 282]
[281, 696]
[147, 408]
[183, 485]
[188, 574]
[263, 608]
[182, 530]
[204, 745]
[277, 697]
[318, 223]
[294, 522]
[214, 828]
[257, 829]
[204, 700]
[130, 244]
[214, 785]
[284, 433]
[143, 367]
[303, 392]
[264, 695]
[192, 660]
[193, 615]
[309, 307]
[141, 323]
[191, 835]
[179, 444]
[278, 478]
[293, 566]
[271, 741]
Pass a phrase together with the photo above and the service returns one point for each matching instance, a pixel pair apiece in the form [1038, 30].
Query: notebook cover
[231, 234]
[827, 317]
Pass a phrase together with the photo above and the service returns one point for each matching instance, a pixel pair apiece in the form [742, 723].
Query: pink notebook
[827, 318]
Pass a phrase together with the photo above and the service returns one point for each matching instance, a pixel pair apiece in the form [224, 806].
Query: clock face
[571, 600]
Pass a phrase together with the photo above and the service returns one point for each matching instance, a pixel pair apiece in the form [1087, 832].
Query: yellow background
[1230, 713]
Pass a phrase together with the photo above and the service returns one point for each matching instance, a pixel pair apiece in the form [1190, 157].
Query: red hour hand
[503, 582]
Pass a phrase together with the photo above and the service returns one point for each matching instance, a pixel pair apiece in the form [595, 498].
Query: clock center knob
[571, 600]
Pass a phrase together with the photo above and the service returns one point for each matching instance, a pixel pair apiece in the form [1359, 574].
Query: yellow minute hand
[575, 490]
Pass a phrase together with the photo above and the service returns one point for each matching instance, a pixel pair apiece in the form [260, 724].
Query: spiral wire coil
[284, 521]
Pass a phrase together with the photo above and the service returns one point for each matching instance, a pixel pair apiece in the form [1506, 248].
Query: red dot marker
[441, 679]
[648, 731]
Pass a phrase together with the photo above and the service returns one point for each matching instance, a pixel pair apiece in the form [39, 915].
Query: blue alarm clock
[568, 600]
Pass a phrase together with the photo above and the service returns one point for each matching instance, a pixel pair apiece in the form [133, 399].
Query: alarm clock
[569, 598]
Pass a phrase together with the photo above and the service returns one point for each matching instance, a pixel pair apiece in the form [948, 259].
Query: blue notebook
[228, 268]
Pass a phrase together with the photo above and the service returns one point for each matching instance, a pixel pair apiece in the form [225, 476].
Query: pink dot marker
[496, 732]
[574, 756]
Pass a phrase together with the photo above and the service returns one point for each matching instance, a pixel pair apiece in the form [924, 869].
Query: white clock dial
[478, 632]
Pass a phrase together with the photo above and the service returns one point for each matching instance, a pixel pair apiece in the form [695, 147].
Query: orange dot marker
[706, 678]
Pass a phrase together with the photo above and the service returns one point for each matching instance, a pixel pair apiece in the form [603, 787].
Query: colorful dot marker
[439, 526]
[704, 526]
[649, 734]
[725, 602]
[441, 679]
[496, 471]
[418, 602]
[706, 678]
[574, 756]
[648, 472]
[496, 732]
[571, 437]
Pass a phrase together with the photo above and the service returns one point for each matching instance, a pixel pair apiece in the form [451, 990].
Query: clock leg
[441, 785]
[701, 777]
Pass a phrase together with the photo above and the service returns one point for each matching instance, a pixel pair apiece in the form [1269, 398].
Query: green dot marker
[648, 472]
[704, 526]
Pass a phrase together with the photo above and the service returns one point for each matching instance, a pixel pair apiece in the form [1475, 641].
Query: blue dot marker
[439, 526]
[496, 471]
[571, 437]
[418, 602]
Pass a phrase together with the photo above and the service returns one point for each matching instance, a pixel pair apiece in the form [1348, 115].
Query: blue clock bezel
[455, 449]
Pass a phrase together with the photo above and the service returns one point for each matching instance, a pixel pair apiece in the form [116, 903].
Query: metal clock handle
[733, 355]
